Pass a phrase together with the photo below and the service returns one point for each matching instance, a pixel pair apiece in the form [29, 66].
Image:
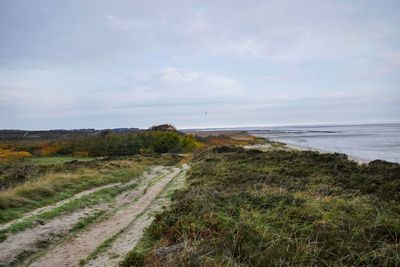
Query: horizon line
[229, 127]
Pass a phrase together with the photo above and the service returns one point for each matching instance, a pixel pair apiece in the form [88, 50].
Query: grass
[106, 195]
[57, 160]
[56, 186]
[292, 208]
[86, 221]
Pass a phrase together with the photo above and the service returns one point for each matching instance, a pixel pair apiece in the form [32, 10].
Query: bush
[9, 154]
[16, 171]
[80, 154]
[108, 144]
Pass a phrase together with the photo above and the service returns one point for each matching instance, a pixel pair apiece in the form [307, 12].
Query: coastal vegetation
[44, 185]
[251, 208]
[61, 168]
[239, 206]
[104, 144]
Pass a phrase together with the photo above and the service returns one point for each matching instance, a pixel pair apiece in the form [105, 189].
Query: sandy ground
[72, 251]
[29, 241]
[130, 237]
[263, 147]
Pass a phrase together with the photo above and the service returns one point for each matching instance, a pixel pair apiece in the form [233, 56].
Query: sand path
[131, 235]
[71, 251]
[31, 240]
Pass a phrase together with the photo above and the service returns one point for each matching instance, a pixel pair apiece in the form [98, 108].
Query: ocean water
[367, 142]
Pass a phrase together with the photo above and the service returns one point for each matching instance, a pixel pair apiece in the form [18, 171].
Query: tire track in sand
[130, 237]
[31, 240]
[79, 247]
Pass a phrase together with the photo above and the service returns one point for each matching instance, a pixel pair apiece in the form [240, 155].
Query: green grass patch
[137, 256]
[86, 221]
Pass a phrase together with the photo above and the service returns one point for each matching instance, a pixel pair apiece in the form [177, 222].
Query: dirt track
[73, 250]
[123, 243]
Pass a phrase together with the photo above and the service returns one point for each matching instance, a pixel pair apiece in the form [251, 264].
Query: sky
[211, 63]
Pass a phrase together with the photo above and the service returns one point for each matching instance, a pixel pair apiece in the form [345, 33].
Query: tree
[163, 127]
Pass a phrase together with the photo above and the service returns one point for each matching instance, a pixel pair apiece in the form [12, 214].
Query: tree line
[114, 144]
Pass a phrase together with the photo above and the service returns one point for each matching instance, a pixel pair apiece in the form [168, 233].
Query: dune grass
[56, 186]
[278, 208]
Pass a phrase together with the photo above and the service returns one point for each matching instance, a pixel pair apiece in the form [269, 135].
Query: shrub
[9, 154]
[80, 154]
[112, 144]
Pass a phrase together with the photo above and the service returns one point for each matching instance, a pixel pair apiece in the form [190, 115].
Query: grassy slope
[249, 208]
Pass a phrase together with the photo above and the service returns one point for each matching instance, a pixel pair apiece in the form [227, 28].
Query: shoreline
[305, 148]
[238, 134]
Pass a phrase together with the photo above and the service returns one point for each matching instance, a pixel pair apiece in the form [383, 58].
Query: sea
[367, 142]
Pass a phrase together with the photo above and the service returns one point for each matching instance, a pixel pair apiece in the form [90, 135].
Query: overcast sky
[102, 64]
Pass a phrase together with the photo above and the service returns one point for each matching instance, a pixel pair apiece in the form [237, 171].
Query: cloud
[283, 30]
[168, 86]
[204, 82]
[149, 60]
